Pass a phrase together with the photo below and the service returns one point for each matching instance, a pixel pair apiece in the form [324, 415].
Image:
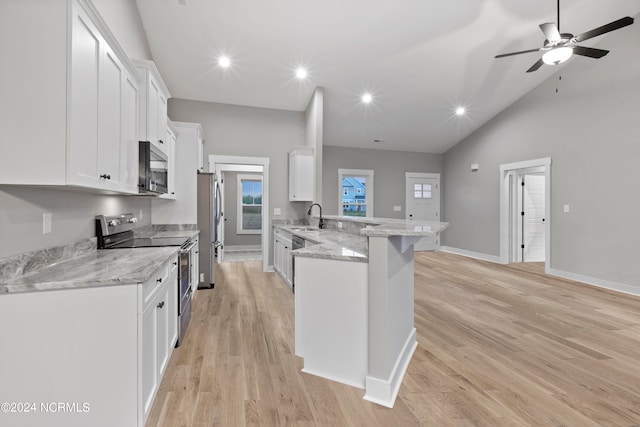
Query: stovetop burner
[116, 232]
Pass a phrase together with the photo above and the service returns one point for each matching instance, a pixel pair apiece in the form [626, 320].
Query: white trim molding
[471, 254]
[507, 174]
[592, 281]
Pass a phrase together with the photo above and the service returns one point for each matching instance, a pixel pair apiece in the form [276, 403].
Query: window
[249, 219]
[356, 186]
[421, 191]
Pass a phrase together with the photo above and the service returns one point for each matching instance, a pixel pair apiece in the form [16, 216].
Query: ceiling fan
[559, 47]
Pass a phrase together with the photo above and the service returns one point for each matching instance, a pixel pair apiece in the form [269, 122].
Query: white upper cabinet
[170, 142]
[153, 98]
[67, 90]
[301, 174]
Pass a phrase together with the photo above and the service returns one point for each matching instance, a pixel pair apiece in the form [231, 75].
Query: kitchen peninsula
[354, 301]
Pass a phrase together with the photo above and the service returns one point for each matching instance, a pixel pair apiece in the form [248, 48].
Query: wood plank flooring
[497, 346]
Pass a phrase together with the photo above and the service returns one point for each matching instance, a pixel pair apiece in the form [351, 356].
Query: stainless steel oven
[115, 232]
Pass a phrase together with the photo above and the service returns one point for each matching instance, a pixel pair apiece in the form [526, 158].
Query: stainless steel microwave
[153, 169]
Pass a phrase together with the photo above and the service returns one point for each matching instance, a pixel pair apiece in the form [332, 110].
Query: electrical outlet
[46, 223]
[397, 208]
[566, 208]
[277, 211]
[339, 224]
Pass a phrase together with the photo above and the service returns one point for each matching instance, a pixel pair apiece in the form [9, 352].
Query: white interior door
[422, 202]
[222, 219]
[533, 218]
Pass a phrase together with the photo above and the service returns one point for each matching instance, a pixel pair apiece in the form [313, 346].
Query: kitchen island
[354, 314]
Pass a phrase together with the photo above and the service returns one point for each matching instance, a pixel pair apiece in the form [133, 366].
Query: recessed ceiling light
[224, 61]
[367, 98]
[460, 111]
[301, 73]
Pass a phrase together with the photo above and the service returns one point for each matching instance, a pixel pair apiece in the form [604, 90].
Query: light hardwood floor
[497, 346]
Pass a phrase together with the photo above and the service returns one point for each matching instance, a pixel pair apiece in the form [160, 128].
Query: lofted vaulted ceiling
[419, 59]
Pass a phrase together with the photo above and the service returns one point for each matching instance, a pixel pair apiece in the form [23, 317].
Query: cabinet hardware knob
[161, 141]
[161, 304]
[173, 192]
[175, 263]
[159, 280]
[105, 176]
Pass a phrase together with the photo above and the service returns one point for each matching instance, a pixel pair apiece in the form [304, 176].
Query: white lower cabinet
[100, 351]
[282, 260]
[159, 329]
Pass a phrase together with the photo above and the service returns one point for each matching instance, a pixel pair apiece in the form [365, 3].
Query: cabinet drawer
[158, 278]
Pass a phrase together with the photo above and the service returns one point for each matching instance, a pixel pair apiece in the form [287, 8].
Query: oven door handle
[189, 247]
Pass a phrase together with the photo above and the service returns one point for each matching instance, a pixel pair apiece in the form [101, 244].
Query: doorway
[525, 206]
[222, 165]
[422, 202]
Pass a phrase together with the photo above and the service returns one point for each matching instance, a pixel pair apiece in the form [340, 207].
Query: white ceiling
[420, 59]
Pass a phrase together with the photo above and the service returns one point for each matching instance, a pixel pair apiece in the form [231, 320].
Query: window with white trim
[249, 220]
[356, 187]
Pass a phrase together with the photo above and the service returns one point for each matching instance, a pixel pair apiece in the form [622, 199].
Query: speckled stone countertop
[94, 269]
[351, 243]
[387, 227]
[328, 244]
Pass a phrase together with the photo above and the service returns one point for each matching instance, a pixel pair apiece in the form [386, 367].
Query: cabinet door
[195, 266]
[301, 175]
[172, 307]
[82, 150]
[161, 112]
[129, 159]
[153, 96]
[276, 253]
[109, 119]
[148, 359]
[170, 142]
[162, 335]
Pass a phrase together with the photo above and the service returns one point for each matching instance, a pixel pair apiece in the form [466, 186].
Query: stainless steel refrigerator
[209, 213]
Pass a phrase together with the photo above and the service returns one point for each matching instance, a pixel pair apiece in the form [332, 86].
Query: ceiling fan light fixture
[557, 55]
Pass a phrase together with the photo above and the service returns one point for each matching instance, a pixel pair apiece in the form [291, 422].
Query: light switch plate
[277, 211]
[566, 208]
[46, 223]
[397, 208]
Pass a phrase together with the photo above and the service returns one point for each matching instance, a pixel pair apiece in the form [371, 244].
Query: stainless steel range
[116, 232]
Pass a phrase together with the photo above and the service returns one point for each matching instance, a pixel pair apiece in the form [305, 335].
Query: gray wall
[73, 214]
[247, 131]
[231, 237]
[590, 129]
[388, 177]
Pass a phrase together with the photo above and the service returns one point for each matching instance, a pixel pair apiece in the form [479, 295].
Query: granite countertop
[328, 244]
[187, 234]
[98, 268]
[387, 227]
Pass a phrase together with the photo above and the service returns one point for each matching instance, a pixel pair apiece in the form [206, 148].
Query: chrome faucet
[321, 222]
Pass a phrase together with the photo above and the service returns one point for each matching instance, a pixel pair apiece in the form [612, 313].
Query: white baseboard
[384, 391]
[471, 254]
[243, 248]
[601, 283]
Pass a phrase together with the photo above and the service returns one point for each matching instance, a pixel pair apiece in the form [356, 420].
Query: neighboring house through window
[249, 204]
[356, 186]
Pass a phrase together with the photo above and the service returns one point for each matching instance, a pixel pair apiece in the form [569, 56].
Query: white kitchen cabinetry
[170, 143]
[195, 266]
[282, 260]
[159, 319]
[153, 105]
[301, 174]
[184, 210]
[106, 346]
[78, 105]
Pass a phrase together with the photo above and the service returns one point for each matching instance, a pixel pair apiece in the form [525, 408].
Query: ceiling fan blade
[611, 26]
[517, 53]
[589, 51]
[535, 66]
[551, 32]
